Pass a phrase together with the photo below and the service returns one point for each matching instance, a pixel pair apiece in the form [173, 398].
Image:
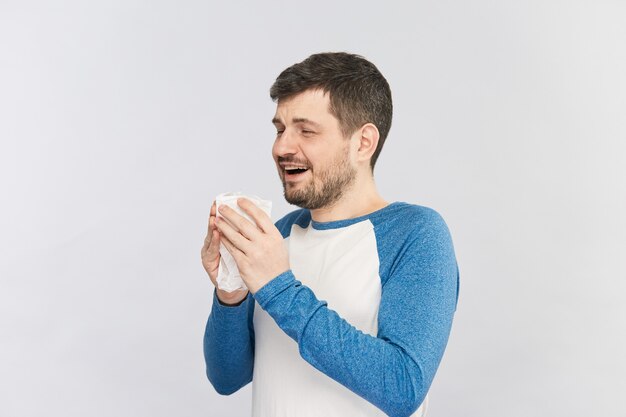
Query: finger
[209, 234]
[238, 222]
[207, 239]
[211, 225]
[260, 217]
[233, 236]
[214, 246]
[234, 250]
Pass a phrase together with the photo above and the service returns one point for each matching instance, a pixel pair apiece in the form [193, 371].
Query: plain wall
[120, 121]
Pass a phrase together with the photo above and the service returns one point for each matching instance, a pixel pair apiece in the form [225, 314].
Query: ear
[367, 141]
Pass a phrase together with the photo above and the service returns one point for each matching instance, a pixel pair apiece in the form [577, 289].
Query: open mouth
[294, 173]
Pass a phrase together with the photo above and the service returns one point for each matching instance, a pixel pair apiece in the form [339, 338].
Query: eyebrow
[275, 121]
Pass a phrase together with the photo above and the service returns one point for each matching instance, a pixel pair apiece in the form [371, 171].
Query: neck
[360, 199]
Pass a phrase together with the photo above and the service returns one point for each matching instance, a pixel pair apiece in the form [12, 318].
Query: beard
[324, 188]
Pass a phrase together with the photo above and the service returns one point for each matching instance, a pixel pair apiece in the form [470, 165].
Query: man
[351, 298]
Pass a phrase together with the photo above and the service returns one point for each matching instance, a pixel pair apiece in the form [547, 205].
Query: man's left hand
[260, 251]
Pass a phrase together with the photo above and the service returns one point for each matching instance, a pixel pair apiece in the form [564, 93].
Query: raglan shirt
[356, 327]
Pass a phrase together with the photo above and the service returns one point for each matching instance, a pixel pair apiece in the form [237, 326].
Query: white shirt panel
[341, 267]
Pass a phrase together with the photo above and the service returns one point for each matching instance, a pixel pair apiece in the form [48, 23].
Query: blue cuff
[274, 287]
[226, 309]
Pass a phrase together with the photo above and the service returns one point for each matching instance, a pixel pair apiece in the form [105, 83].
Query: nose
[285, 144]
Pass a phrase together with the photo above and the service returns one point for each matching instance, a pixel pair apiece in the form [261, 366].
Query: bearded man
[350, 298]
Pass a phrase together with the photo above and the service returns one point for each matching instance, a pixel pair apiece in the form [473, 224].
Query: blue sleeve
[229, 345]
[394, 370]
[229, 336]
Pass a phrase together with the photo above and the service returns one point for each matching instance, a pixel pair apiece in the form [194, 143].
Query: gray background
[121, 120]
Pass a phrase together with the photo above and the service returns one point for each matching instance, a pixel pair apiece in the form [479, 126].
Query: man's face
[311, 154]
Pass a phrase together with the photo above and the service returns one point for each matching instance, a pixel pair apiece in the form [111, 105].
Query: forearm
[229, 345]
[391, 374]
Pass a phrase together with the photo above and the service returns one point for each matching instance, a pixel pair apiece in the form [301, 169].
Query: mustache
[286, 159]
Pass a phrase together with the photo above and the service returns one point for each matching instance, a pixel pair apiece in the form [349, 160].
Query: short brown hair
[359, 93]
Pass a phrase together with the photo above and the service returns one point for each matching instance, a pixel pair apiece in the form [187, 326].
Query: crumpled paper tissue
[228, 277]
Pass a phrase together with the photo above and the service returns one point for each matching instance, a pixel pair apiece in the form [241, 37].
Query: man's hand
[260, 251]
[210, 254]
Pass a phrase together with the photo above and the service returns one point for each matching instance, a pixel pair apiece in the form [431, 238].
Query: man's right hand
[210, 254]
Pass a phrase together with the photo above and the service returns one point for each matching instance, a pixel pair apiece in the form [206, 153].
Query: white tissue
[228, 277]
